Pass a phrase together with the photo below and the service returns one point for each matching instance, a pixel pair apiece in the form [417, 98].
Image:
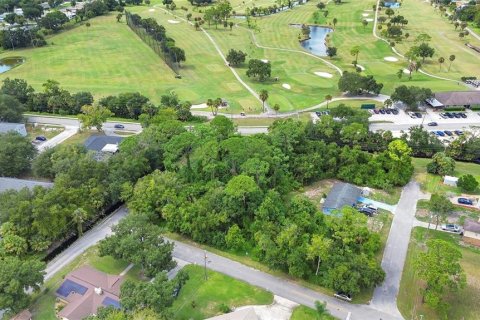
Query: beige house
[471, 233]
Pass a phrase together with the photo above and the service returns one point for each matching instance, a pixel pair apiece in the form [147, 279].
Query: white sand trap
[199, 106]
[360, 66]
[173, 21]
[390, 59]
[151, 10]
[264, 60]
[324, 74]
[368, 10]
[365, 14]
[369, 20]
[406, 71]
[286, 86]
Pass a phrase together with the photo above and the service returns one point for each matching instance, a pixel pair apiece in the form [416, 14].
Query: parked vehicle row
[385, 111]
[322, 113]
[415, 115]
[451, 115]
[449, 133]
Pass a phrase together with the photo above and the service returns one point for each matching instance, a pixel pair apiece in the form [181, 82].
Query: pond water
[316, 43]
[9, 63]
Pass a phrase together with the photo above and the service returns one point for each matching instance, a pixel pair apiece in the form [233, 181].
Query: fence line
[155, 45]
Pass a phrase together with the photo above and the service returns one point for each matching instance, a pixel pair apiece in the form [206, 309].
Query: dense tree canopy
[354, 83]
[10, 109]
[16, 152]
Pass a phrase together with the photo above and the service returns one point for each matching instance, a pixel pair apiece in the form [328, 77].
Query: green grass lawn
[423, 18]
[44, 302]
[108, 58]
[80, 137]
[434, 183]
[200, 298]
[305, 313]
[464, 303]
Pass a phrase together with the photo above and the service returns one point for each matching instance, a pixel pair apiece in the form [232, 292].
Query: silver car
[455, 228]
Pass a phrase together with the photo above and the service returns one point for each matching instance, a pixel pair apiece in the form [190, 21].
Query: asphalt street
[90, 238]
[385, 295]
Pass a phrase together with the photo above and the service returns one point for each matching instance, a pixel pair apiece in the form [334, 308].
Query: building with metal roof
[341, 195]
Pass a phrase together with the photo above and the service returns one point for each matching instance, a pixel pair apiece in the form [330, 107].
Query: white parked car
[451, 228]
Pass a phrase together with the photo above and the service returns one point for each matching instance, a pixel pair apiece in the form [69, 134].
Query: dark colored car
[316, 112]
[382, 111]
[463, 115]
[367, 211]
[395, 111]
[440, 133]
[449, 115]
[418, 114]
[388, 111]
[40, 138]
[465, 201]
[458, 132]
[119, 126]
[457, 115]
[343, 296]
[448, 133]
[376, 111]
[432, 124]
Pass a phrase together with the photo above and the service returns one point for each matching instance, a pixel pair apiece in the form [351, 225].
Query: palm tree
[79, 217]
[210, 105]
[328, 98]
[263, 96]
[441, 60]
[364, 23]
[451, 58]
[388, 103]
[354, 52]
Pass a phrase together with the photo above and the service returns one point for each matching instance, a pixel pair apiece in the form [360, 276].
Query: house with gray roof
[455, 99]
[341, 195]
[18, 184]
[97, 143]
[15, 127]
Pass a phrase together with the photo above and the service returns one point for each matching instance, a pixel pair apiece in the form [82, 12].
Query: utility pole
[205, 265]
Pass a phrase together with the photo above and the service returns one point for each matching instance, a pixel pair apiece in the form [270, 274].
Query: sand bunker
[365, 14]
[324, 74]
[406, 71]
[286, 86]
[264, 60]
[391, 59]
[173, 21]
[199, 106]
[369, 20]
[360, 66]
[151, 10]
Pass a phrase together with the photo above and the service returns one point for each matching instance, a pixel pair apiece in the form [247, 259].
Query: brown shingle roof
[458, 98]
[80, 306]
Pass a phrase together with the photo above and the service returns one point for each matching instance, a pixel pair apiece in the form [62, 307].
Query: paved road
[385, 296]
[59, 138]
[278, 286]
[90, 238]
[184, 254]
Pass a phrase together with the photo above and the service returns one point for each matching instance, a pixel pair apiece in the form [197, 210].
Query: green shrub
[467, 183]
[454, 109]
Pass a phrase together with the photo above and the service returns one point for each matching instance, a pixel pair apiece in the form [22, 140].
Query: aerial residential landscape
[240, 159]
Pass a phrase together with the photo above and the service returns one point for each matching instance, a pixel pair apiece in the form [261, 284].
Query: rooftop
[85, 290]
[472, 226]
[17, 127]
[458, 98]
[97, 143]
[342, 194]
[18, 184]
